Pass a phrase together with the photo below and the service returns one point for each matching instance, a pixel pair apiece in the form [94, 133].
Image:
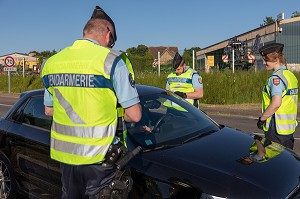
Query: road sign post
[9, 63]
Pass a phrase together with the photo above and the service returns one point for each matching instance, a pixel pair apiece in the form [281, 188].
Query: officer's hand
[257, 137]
[181, 94]
[260, 123]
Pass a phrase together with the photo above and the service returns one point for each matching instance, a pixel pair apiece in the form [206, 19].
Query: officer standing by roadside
[185, 82]
[84, 83]
[279, 98]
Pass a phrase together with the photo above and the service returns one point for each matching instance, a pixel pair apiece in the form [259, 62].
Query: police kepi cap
[270, 48]
[177, 61]
[100, 14]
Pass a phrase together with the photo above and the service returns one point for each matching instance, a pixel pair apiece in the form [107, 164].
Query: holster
[119, 188]
[115, 151]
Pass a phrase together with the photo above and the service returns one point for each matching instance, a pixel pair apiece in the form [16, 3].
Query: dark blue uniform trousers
[84, 181]
[285, 140]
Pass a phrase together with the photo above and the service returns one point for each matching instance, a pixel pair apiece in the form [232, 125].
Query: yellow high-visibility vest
[84, 102]
[182, 83]
[286, 115]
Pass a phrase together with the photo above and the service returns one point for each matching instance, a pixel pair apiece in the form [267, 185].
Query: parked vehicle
[238, 53]
[186, 154]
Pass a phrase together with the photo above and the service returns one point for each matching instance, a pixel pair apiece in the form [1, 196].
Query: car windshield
[168, 120]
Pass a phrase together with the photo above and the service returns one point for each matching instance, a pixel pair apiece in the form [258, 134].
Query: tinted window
[33, 113]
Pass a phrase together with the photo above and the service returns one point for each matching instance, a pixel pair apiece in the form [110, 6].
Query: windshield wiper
[198, 136]
[162, 147]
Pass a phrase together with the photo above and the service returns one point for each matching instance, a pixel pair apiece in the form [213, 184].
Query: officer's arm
[49, 111]
[198, 87]
[126, 93]
[133, 113]
[272, 108]
[198, 93]
[48, 102]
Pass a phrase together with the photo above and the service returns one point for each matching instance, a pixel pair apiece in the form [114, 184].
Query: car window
[33, 113]
[171, 120]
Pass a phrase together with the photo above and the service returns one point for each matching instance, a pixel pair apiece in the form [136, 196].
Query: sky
[37, 25]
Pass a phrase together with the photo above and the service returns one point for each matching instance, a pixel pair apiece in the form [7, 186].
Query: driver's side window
[33, 113]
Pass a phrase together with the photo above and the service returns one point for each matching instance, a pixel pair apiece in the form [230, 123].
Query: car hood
[211, 163]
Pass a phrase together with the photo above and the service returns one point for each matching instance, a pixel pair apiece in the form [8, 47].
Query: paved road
[233, 117]
[6, 102]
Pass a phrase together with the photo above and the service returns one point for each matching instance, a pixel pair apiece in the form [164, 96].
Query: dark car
[186, 154]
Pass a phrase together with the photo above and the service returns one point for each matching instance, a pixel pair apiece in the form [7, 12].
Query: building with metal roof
[286, 31]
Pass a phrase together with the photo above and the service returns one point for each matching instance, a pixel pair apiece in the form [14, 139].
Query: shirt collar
[91, 40]
[186, 68]
[280, 68]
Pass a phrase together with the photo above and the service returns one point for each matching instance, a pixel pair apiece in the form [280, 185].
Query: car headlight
[208, 196]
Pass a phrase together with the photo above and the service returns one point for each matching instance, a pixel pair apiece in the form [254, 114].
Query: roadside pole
[158, 57]
[193, 59]
[23, 67]
[8, 75]
[232, 60]
[9, 63]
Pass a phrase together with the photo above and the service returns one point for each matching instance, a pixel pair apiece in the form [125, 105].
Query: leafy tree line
[139, 56]
[270, 20]
[43, 55]
[142, 59]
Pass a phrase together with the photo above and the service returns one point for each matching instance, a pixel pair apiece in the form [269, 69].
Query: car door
[29, 143]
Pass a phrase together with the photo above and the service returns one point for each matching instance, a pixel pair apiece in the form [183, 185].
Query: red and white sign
[154, 64]
[251, 58]
[9, 61]
[225, 58]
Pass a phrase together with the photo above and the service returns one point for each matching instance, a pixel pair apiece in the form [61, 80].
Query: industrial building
[286, 31]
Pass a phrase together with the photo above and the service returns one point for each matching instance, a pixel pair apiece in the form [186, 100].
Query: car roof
[148, 90]
[32, 92]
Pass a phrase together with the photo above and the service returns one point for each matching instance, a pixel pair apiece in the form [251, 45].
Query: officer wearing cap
[279, 98]
[84, 82]
[185, 82]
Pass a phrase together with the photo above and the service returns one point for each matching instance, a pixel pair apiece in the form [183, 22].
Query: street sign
[9, 61]
[210, 60]
[10, 69]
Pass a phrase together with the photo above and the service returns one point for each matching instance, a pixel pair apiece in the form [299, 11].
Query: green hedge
[219, 87]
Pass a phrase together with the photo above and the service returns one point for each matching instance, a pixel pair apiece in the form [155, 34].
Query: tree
[295, 14]
[140, 57]
[268, 21]
[188, 55]
[45, 55]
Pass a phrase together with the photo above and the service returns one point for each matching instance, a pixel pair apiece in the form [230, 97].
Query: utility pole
[158, 57]
[193, 59]
[23, 67]
[232, 60]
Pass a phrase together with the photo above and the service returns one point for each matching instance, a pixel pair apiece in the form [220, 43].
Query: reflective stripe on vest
[182, 83]
[286, 115]
[271, 150]
[85, 115]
